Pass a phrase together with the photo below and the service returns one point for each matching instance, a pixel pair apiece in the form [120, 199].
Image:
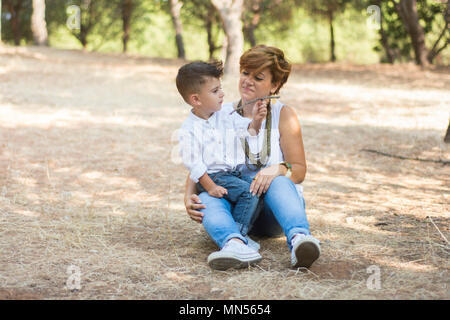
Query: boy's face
[210, 97]
[256, 85]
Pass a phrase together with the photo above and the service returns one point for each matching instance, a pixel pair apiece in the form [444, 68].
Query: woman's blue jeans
[282, 210]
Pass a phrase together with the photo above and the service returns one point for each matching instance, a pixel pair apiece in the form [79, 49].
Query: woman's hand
[193, 204]
[263, 179]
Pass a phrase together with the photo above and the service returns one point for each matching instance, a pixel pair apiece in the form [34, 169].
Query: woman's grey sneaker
[234, 254]
[305, 250]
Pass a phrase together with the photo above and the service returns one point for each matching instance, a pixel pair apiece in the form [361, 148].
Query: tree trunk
[0, 22]
[16, 29]
[14, 10]
[127, 9]
[407, 10]
[447, 135]
[230, 12]
[84, 41]
[251, 35]
[256, 8]
[435, 50]
[175, 9]
[211, 44]
[209, 31]
[85, 28]
[332, 43]
[223, 52]
[38, 24]
[390, 55]
[250, 30]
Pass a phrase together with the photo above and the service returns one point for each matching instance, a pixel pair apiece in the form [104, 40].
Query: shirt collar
[195, 118]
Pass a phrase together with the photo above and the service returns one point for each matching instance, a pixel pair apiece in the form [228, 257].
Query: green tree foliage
[175, 13]
[275, 13]
[431, 15]
[327, 9]
[307, 29]
[203, 12]
[16, 21]
[98, 15]
[101, 21]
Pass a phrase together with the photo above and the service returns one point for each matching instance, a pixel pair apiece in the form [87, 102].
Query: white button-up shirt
[212, 145]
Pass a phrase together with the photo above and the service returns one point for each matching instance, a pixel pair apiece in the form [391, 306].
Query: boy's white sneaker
[252, 244]
[305, 250]
[234, 254]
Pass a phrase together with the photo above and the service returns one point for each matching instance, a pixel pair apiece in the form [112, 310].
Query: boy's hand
[217, 192]
[259, 111]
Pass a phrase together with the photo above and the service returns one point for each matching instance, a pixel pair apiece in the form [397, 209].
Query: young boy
[208, 140]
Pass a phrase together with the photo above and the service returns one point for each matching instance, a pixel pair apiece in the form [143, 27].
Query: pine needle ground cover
[91, 204]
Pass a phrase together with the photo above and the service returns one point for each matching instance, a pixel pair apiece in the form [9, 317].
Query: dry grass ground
[86, 180]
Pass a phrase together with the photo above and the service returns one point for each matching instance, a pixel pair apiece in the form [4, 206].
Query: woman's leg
[218, 221]
[288, 207]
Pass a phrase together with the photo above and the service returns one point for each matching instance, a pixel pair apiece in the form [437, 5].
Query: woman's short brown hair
[260, 57]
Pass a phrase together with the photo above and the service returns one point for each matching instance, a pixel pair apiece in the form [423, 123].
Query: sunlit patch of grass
[86, 179]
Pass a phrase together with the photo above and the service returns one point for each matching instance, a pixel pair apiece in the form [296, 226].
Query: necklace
[260, 159]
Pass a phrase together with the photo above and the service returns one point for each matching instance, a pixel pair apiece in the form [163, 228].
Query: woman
[276, 161]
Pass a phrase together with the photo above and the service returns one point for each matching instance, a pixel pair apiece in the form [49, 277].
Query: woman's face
[252, 86]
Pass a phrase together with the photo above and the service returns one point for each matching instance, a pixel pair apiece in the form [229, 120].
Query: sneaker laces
[233, 245]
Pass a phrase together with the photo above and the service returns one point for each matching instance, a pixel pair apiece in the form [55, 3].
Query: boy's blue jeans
[243, 203]
[283, 209]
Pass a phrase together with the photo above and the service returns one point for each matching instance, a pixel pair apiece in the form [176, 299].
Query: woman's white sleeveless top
[256, 142]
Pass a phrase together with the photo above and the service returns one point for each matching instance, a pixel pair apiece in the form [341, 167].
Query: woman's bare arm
[189, 188]
[291, 142]
[192, 201]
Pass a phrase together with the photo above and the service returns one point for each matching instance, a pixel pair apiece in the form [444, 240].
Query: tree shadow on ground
[95, 185]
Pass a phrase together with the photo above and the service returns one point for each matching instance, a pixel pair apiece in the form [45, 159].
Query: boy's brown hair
[193, 75]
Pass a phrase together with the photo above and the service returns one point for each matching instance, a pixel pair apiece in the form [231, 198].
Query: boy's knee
[213, 203]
